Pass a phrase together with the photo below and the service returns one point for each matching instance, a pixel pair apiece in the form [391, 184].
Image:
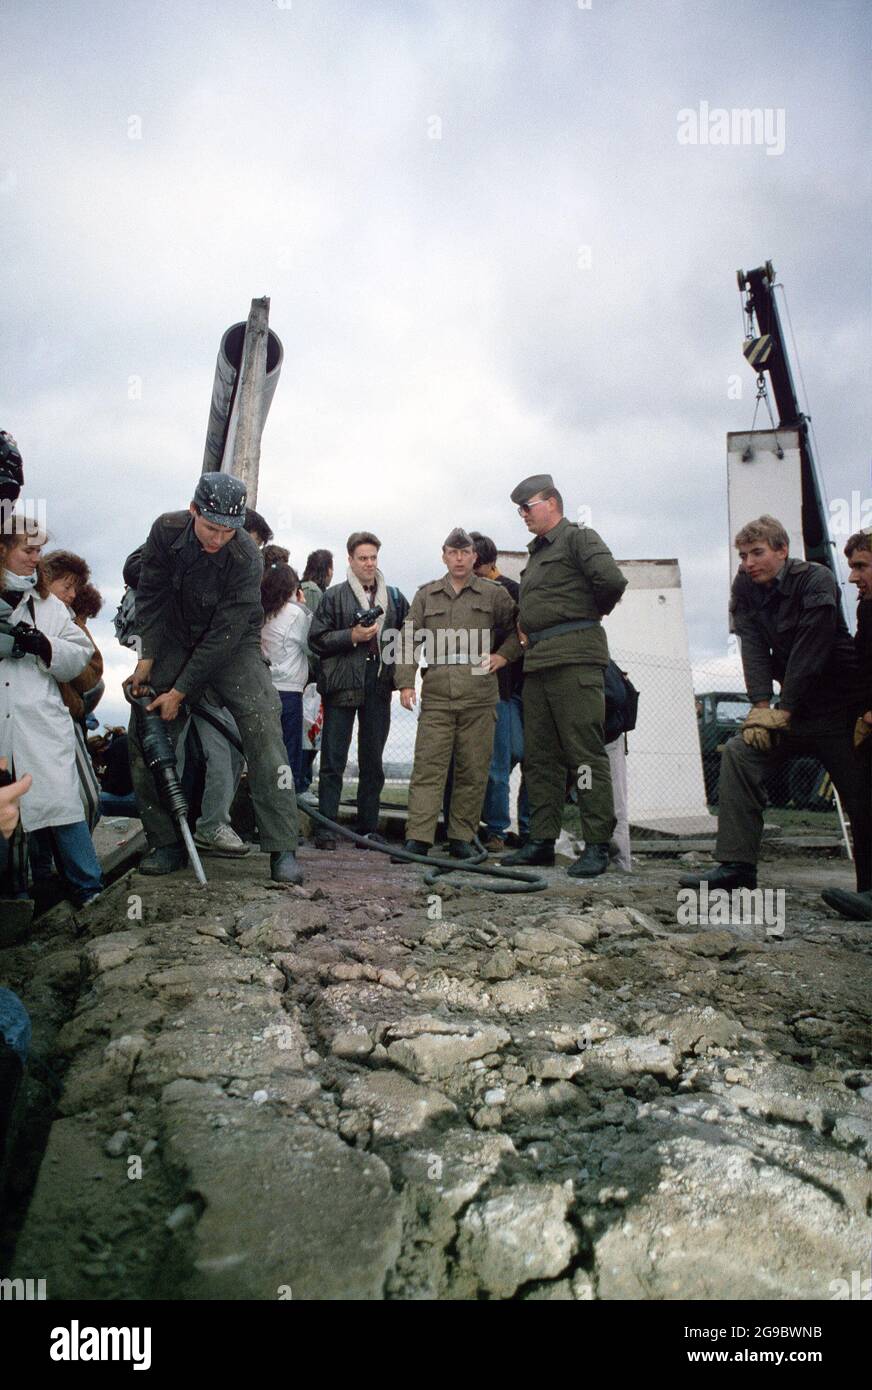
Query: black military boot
[283, 867]
[534, 852]
[166, 859]
[728, 876]
[462, 849]
[412, 847]
[856, 906]
[593, 862]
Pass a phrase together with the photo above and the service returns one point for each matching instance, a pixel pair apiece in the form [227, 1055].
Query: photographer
[353, 680]
[39, 646]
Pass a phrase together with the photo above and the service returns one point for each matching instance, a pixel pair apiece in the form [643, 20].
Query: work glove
[761, 724]
[862, 731]
[33, 643]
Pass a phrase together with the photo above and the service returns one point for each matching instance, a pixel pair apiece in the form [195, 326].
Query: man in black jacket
[198, 619]
[354, 680]
[509, 732]
[858, 550]
[787, 614]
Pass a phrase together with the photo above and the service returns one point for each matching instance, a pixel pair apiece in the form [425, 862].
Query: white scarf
[363, 598]
[20, 583]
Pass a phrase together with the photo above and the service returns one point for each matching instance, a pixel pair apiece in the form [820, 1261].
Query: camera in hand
[10, 633]
[367, 617]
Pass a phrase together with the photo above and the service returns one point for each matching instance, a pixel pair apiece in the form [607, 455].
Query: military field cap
[539, 482]
[458, 539]
[221, 499]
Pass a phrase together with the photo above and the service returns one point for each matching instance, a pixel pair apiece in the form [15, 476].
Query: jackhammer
[160, 759]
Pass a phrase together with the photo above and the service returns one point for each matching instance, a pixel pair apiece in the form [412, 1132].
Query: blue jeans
[508, 751]
[292, 732]
[74, 849]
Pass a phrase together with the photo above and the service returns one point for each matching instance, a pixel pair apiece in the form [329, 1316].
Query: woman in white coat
[283, 643]
[36, 733]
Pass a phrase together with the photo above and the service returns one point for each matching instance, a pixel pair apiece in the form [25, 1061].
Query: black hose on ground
[510, 880]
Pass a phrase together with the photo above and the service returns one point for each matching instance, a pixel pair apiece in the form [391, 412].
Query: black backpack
[124, 621]
[622, 703]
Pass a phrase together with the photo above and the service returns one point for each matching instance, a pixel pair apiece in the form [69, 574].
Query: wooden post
[242, 453]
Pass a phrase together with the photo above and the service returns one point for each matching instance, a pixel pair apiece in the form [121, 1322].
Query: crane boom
[768, 352]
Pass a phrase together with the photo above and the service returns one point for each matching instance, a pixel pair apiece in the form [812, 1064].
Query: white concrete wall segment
[764, 483]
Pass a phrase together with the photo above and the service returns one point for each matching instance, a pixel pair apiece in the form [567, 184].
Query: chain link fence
[687, 713]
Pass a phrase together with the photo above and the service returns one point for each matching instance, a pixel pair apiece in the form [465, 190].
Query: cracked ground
[373, 1089]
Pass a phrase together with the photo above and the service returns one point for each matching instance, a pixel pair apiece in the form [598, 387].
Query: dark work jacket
[207, 604]
[794, 632]
[511, 677]
[341, 664]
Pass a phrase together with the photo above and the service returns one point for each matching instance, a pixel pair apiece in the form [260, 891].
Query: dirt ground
[372, 1089]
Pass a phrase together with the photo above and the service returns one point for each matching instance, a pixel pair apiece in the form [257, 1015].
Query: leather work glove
[862, 729]
[761, 724]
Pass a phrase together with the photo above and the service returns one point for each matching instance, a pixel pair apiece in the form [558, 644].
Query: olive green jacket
[477, 622]
[571, 574]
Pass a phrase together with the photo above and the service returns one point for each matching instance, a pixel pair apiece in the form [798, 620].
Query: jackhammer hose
[510, 880]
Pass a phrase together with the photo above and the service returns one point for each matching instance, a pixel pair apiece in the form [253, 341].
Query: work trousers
[742, 793]
[292, 732]
[374, 722]
[245, 688]
[446, 731]
[224, 765]
[564, 708]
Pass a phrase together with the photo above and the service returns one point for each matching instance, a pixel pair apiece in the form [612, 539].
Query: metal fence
[687, 712]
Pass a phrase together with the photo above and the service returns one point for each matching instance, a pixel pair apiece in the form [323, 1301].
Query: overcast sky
[488, 255]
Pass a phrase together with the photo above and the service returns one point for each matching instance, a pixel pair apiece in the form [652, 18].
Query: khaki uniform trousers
[446, 730]
[564, 709]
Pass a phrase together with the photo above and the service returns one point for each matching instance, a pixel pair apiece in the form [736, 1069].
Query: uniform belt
[559, 628]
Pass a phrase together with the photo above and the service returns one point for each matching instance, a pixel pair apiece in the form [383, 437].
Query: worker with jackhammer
[198, 618]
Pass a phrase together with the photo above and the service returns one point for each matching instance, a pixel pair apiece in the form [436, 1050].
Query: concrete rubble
[370, 1089]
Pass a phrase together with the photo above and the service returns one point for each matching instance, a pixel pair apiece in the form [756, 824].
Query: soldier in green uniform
[466, 626]
[198, 617]
[568, 585]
